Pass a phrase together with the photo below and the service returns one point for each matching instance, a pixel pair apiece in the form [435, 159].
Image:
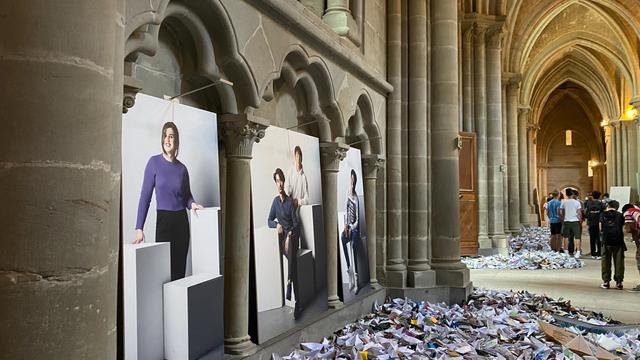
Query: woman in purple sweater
[170, 178]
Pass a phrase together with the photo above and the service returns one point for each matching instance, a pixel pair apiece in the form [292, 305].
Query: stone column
[337, 16]
[60, 164]
[617, 152]
[513, 90]
[331, 154]
[532, 133]
[419, 274]
[467, 78]
[450, 271]
[523, 164]
[480, 111]
[396, 271]
[494, 140]
[370, 165]
[239, 132]
[505, 169]
[608, 140]
[624, 153]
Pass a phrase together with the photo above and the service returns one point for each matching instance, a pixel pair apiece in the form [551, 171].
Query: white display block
[147, 267]
[193, 313]
[268, 268]
[205, 241]
[621, 194]
[312, 238]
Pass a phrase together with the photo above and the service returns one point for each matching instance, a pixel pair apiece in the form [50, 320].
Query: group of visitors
[606, 223]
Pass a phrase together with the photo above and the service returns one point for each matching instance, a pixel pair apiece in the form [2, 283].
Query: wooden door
[468, 195]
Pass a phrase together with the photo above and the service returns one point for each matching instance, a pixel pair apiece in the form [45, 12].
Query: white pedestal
[193, 312]
[312, 238]
[269, 291]
[146, 268]
[205, 241]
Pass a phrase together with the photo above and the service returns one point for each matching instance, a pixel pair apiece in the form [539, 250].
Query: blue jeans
[354, 239]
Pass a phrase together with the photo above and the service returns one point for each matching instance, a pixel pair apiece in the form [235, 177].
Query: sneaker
[593, 257]
[577, 256]
[635, 289]
[619, 285]
[605, 285]
[598, 257]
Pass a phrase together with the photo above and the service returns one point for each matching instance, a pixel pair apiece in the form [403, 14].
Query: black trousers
[292, 257]
[594, 239]
[354, 240]
[173, 227]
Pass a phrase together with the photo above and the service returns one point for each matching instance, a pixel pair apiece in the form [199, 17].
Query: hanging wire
[364, 140]
[219, 81]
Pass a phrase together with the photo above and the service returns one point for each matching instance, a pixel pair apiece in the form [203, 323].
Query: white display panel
[356, 250]
[205, 241]
[303, 182]
[149, 269]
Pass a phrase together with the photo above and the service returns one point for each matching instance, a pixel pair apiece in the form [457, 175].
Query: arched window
[568, 138]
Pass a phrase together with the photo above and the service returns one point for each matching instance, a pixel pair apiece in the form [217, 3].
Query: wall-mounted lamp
[630, 113]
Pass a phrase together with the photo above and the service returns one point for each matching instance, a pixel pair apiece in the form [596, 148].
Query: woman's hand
[139, 237]
[195, 207]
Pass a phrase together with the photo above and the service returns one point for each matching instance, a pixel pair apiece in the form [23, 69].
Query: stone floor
[581, 286]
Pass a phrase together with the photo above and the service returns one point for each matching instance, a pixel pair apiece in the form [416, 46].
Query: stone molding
[331, 154]
[325, 40]
[240, 132]
[371, 164]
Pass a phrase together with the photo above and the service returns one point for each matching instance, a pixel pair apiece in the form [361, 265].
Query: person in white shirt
[297, 186]
[571, 216]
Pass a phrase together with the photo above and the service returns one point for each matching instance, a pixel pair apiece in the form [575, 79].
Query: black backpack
[611, 228]
[594, 209]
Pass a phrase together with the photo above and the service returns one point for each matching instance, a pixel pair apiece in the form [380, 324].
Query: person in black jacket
[593, 208]
[613, 248]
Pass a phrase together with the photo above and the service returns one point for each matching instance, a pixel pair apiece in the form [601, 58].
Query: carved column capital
[371, 164]
[131, 88]
[495, 36]
[524, 111]
[331, 154]
[479, 32]
[240, 132]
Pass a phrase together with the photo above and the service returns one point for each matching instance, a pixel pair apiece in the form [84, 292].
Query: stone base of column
[499, 242]
[421, 279]
[375, 284]
[396, 278]
[334, 303]
[435, 294]
[532, 219]
[239, 346]
[514, 231]
[485, 246]
[453, 277]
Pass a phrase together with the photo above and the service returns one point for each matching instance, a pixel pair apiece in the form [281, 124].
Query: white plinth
[312, 238]
[193, 313]
[146, 268]
[205, 241]
[269, 291]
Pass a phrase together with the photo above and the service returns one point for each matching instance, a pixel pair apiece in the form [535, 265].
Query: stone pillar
[239, 132]
[467, 79]
[523, 165]
[62, 101]
[419, 274]
[450, 271]
[513, 90]
[370, 165]
[331, 154]
[532, 133]
[505, 169]
[494, 140]
[624, 153]
[480, 112]
[617, 149]
[608, 140]
[337, 16]
[396, 271]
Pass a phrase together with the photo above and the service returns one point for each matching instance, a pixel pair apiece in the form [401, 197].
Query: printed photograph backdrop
[354, 279]
[276, 314]
[141, 139]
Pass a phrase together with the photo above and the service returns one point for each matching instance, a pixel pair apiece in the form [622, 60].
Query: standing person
[351, 232]
[297, 186]
[283, 217]
[555, 225]
[605, 199]
[571, 216]
[613, 240]
[170, 179]
[631, 215]
[593, 209]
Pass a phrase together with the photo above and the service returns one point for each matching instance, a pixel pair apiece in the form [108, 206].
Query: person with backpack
[593, 208]
[613, 247]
